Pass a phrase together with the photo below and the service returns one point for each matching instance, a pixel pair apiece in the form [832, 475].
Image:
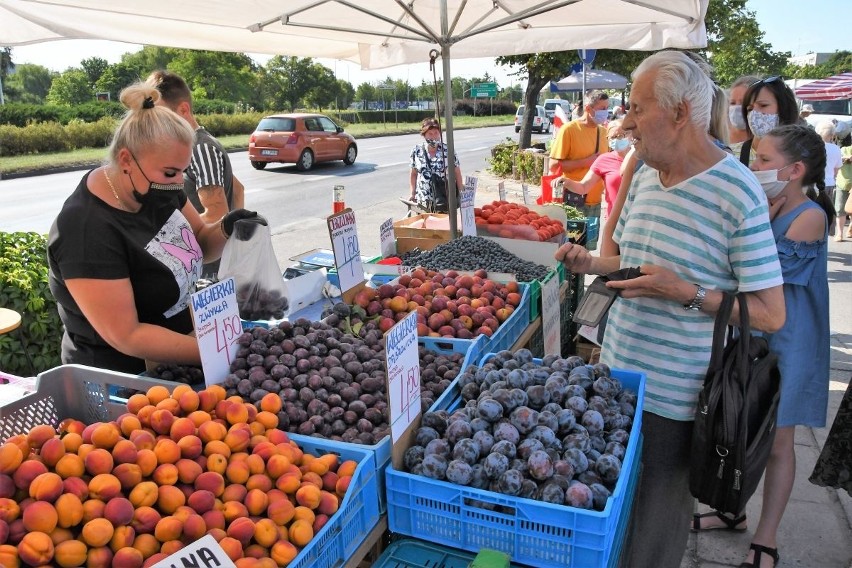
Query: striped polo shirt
[711, 229]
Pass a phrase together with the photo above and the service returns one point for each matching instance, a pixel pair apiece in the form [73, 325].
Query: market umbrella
[374, 33]
[595, 79]
[838, 87]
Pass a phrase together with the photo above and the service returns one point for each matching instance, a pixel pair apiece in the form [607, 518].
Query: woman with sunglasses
[127, 248]
[428, 179]
[766, 104]
[791, 158]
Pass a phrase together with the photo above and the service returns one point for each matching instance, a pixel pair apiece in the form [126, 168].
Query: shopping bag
[248, 257]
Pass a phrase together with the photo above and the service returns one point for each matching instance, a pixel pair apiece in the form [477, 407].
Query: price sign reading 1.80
[347, 250]
[217, 328]
[467, 199]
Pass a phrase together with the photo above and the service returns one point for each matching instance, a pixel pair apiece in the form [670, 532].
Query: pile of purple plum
[555, 430]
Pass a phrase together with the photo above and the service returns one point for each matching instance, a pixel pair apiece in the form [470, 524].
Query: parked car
[301, 139]
[540, 121]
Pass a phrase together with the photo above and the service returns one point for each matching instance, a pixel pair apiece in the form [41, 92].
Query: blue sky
[788, 25]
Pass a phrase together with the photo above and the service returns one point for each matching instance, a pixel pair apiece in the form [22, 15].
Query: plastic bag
[248, 257]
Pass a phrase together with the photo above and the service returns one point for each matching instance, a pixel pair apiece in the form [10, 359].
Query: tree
[539, 68]
[366, 93]
[5, 66]
[71, 87]
[94, 68]
[115, 78]
[735, 44]
[150, 58]
[287, 81]
[216, 74]
[346, 93]
[28, 84]
[324, 91]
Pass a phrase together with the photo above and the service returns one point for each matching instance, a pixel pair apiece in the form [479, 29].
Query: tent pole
[448, 123]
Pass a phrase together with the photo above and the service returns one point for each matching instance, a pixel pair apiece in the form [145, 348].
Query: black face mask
[158, 193]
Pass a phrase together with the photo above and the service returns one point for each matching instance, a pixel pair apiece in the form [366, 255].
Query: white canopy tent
[373, 33]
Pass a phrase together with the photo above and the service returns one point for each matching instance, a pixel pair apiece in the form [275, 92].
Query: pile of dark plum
[555, 431]
[331, 383]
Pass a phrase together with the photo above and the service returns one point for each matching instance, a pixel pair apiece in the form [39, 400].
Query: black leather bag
[440, 200]
[735, 417]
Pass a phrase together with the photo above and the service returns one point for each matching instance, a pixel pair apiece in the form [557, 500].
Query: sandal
[730, 524]
[759, 550]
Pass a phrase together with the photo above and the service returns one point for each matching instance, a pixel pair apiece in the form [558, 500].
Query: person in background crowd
[843, 183]
[766, 104]
[696, 222]
[806, 111]
[606, 167]
[833, 161]
[736, 117]
[791, 158]
[126, 249]
[833, 468]
[427, 160]
[209, 181]
[576, 147]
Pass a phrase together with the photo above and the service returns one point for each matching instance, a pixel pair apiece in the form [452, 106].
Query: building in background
[809, 59]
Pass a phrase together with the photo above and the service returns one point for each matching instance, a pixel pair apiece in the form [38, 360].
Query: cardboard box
[424, 226]
[407, 244]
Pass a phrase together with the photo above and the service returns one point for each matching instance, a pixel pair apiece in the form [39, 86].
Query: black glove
[248, 222]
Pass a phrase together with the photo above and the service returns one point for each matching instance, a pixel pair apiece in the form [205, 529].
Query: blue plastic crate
[411, 553]
[531, 532]
[358, 514]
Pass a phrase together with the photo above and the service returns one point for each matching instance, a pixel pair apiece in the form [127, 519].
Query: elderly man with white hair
[696, 222]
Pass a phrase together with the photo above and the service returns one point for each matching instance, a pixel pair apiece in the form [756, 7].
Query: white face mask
[619, 144]
[770, 183]
[601, 116]
[735, 115]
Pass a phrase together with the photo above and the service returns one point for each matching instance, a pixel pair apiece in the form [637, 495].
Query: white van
[551, 104]
[540, 121]
[838, 112]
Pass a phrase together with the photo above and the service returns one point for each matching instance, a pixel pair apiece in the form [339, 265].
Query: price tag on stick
[403, 371]
[526, 192]
[347, 250]
[386, 238]
[501, 191]
[466, 202]
[550, 317]
[217, 328]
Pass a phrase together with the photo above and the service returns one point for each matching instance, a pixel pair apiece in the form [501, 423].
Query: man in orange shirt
[576, 146]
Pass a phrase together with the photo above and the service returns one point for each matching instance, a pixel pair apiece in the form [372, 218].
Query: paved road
[284, 195]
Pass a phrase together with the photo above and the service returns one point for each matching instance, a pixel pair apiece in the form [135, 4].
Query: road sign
[483, 90]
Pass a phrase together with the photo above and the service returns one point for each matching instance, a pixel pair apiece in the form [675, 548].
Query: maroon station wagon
[301, 139]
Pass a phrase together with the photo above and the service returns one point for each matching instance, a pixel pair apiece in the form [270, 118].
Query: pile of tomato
[516, 221]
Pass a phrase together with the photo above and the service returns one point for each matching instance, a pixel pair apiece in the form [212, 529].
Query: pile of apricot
[176, 467]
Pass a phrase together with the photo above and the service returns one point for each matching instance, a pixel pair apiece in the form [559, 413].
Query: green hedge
[20, 114]
[24, 288]
[484, 107]
[225, 124]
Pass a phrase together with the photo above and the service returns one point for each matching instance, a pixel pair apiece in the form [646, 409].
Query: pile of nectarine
[448, 304]
[177, 466]
[515, 221]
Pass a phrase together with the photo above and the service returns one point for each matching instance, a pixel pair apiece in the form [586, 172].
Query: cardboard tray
[412, 227]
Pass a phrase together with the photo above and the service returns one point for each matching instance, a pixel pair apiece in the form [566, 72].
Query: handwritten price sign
[403, 364]
[386, 238]
[466, 201]
[550, 316]
[501, 191]
[347, 250]
[217, 328]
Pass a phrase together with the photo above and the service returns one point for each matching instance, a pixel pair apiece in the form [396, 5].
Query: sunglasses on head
[768, 81]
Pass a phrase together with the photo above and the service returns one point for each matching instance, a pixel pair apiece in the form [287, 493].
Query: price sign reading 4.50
[347, 250]
[403, 364]
[217, 328]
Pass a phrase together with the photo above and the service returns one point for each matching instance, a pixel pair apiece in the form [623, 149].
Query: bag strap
[745, 339]
[745, 151]
[720, 329]
[597, 138]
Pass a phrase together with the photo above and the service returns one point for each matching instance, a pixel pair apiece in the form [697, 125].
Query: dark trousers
[659, 527]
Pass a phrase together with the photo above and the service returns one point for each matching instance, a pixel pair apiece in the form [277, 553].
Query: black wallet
[598, 298]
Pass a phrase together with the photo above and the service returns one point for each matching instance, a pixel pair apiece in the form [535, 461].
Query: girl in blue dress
[789, 164]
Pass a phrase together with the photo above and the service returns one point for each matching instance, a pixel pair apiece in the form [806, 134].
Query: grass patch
[93, 156]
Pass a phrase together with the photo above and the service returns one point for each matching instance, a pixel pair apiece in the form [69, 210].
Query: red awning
[834, 88]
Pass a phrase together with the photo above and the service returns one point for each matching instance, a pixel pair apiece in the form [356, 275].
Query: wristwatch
[698, 300]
